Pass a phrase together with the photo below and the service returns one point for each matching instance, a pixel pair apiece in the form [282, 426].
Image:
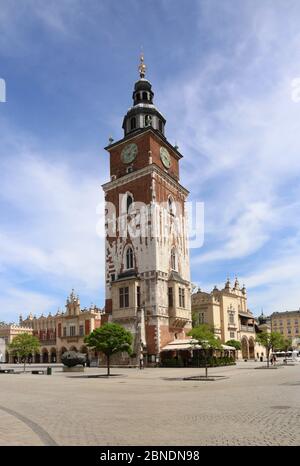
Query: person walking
[141, 361]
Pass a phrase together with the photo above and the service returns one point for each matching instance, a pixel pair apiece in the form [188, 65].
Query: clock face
[129, 153]
[165, 157]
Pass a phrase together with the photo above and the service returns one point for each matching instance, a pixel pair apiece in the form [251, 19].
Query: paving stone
[152, 407]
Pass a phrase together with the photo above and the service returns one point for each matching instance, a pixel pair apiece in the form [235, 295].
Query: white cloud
[238, 127]
[16, 302]
[49, 228]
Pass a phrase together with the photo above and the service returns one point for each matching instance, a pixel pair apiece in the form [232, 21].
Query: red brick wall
[165, 335]
[140, 189]
[150, 338]
[144, 142]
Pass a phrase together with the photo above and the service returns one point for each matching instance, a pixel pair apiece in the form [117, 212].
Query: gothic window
[129, 258]
[133, 123]
[124, 297]
[72, 330]
[171, 207]
[173, 259]
[231, 318]
[129, 201]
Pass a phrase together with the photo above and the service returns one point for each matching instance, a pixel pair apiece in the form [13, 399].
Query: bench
[38, 371]
[7, 371]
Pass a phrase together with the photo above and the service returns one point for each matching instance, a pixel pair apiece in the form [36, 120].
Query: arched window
[173, 259]
[148, 120]
[171, 206]
[133, 123]
[129, 201]
[129, 258]
[138, 97]
[145, 96]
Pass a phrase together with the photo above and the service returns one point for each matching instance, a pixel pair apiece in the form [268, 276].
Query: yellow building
[226, 310]
[8, 332]
[288, 324]
[64, 331]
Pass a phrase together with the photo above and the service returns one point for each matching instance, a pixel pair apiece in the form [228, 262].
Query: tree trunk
[108, 365]
[268, 358]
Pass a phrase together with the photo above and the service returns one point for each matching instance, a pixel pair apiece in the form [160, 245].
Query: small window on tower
[124, 297]
[170, 296]
[160, 125]
[145, 96]
[133, 123]
[181, 297]
[129, 258]
[171, 206]
[148, 120]
[129, 201]
[173, 260]
[138, 296]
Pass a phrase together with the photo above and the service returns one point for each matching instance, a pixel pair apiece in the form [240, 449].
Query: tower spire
[142, 66]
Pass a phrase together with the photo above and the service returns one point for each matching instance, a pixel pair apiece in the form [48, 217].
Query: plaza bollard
[49, 370]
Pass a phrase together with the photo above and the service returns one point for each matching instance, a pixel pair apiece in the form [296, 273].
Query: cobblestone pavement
[152, 407]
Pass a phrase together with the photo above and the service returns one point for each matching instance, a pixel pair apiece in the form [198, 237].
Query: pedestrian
[141, 361]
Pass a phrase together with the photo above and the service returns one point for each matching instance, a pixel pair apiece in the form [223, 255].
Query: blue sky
[222, 74]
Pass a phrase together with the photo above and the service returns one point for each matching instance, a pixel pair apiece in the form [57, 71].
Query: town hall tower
[147, 256]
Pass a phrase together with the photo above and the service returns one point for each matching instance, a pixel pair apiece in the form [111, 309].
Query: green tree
[285, 346]
[23, 345]
[109, 339]
[204, 336]
[270, 341]
[235, 343]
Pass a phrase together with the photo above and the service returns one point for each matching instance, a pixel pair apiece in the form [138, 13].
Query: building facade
[64, 331]
[8, 332]
[287, 324]
[148, 287]
[227, 312]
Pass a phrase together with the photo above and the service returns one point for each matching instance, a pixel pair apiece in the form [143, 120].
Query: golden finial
[142, 66]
